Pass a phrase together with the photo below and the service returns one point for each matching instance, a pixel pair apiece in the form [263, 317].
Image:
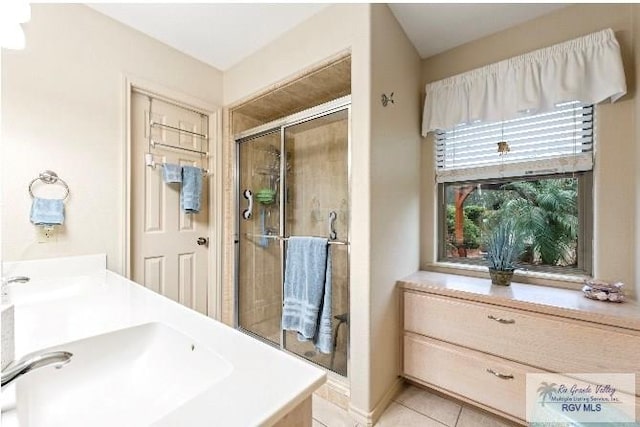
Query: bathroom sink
[49, 290]
[130, 377]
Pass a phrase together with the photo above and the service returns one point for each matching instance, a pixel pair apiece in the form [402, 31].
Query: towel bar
[269, 236]
[49, 177]
[148, 160]
[173, 147]
[188, 132]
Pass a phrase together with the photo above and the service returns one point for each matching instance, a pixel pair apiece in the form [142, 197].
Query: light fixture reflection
[12, 14]
[12, 36]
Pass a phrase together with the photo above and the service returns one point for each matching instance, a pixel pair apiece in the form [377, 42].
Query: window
[536, 170]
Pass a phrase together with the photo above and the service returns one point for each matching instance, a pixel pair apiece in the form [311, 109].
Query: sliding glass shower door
[293, 180]
[259, 276]
[317, 204]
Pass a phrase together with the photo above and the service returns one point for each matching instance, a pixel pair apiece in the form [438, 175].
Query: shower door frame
[322, 110]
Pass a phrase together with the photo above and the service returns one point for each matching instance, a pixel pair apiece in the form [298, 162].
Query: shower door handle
[332, 225]
[246, 214]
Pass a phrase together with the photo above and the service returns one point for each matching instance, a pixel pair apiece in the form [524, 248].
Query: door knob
[203, 241]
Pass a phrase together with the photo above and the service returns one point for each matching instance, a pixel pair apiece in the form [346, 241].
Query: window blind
[558, 141]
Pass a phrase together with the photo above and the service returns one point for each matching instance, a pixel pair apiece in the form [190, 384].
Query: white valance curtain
[587, 69]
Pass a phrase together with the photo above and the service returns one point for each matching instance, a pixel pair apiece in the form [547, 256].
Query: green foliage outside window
[545, 211]
[471, 226]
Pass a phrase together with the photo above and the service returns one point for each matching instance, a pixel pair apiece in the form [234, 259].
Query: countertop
[554, 301]
[264, 385]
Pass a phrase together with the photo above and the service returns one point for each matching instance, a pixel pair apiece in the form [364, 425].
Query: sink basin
[130, 377]
[49, 290]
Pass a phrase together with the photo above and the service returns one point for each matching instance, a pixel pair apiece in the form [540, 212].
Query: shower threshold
[316, 357]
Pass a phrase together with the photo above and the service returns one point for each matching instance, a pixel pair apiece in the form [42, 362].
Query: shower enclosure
[292, 179]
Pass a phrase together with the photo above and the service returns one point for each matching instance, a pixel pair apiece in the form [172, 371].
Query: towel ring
[49, 177]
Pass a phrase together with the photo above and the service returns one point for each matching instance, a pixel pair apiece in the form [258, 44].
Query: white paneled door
[169, 248]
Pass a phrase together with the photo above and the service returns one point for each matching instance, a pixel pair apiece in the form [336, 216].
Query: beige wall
[62, 109]
[636, 176]
[394, 184]
[330, 31]
[616, 181]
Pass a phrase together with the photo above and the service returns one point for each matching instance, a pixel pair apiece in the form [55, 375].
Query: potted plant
[504, 247]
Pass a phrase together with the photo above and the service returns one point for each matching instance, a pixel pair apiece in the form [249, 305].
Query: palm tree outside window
[543, 181]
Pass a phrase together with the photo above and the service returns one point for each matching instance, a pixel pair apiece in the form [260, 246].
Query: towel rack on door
[190, 150]
[148, 160]
[173, 128]
[204, 138]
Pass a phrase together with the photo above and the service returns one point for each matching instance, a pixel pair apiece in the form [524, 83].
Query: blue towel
[47, 211]
[172, 173]
[307, 291]
[323, 339]
[191, 189]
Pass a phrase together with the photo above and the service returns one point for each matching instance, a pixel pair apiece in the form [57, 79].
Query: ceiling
[437, 27]
[222, 34]
[219, 34]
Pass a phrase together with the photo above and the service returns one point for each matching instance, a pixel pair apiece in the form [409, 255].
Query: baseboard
[360, 417]
[336, 391]
[368, 419]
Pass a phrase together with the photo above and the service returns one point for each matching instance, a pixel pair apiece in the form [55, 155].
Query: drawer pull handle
[501, 320]
[499, 375]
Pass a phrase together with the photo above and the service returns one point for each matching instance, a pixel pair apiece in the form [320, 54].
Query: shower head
[275, 151]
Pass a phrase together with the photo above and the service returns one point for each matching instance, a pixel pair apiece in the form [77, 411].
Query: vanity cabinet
[476, 342]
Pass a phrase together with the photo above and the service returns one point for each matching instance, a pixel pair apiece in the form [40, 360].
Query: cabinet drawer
[465, 372]
[534, 339]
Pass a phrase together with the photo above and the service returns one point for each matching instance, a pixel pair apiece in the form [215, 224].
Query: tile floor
[413, 407]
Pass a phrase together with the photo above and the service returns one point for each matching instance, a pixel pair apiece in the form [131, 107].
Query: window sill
[539, 278]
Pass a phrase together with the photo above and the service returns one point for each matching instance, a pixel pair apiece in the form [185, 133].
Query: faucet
[14, 279]
[34, 361]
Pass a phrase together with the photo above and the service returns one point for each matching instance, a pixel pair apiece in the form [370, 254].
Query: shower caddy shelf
[267, 172]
